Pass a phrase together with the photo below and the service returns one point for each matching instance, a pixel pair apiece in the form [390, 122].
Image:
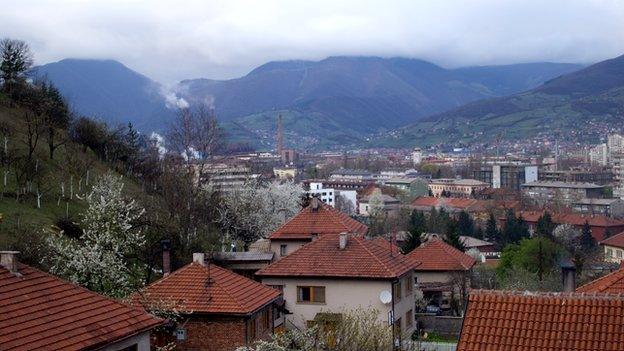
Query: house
[315, 220]
[340, 272]
[613, 247]
[285, 172]
[386, 204]
[479, 209]
[220, 309]
[601, 226]
[518, 321]
[440, 270]
[612, 283]
[245, 263]
[39, 311]
[456, 187]
[334, 197]
[485, 247]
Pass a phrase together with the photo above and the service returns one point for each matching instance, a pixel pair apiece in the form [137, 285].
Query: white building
[330, 195]
[599, 154]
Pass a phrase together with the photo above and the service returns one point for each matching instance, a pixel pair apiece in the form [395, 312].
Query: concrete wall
[142, 341]
[433, 277]
[344, 294]
[445, 325]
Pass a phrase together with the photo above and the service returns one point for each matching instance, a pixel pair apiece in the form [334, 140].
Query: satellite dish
[385, 297]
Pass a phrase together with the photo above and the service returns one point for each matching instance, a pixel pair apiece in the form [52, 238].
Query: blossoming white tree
[255, 210]
[101, 259]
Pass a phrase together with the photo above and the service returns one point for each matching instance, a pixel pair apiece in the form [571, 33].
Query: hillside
[345, 98]
[324, 103]
[108, 90]
[592, 95]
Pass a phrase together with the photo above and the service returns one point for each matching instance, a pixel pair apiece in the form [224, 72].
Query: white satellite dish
[385, 297]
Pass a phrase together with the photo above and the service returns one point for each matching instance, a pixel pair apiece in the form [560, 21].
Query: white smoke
[172, 101]
[159, 141]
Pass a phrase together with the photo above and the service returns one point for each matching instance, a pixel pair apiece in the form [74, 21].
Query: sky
[173, 40]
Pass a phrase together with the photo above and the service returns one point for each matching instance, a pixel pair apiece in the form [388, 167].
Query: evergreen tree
[478, 233]
[452, 236]
[587, 240]
[491, 230]
[545, 226]
[417, 227]
[466, 225]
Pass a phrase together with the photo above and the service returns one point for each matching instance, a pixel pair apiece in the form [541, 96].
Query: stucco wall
[433, 277]
[291, 246]
[141, 340]
[343, 294]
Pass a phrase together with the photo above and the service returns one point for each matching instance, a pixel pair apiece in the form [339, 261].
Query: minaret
[280, 135]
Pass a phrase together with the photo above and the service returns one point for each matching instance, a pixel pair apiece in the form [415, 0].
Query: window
[409, 319]
[251, 328]
[609, 252]
[283, 250]
[311, 294]
[397, 326]
[408, 286]
[619, 253]
[397, 291]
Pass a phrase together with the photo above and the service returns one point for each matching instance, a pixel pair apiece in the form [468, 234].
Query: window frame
[313, 293]
[283, 250]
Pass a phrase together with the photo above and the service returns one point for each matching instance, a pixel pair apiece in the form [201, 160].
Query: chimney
[315, 203]
[8, 260]
[166, 256]
[342, 241]
[568, 276]
[199, 257]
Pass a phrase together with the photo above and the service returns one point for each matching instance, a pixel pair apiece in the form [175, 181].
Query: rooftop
[573, 218]
[39, 311]
[436, 255]
[591, 201]
[616, 240]
[514, 321]
[464, 182]
[361, 258]
[242, 256]
[470, 242]
[610, 283]
[208, 289]
[322, 219]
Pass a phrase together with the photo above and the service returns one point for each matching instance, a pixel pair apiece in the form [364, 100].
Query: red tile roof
[436, 255]
[610, 283]
[616, 240]
[323, 220]
[208, 289]
[519, 321]
[39, 311]
[573, 219]
[361, 258]
[451, 203]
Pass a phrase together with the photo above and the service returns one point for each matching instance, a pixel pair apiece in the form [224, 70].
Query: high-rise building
[417, 156]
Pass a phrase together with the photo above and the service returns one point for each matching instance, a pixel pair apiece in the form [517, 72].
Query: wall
[341, 294]
[445, 325]
[142, 341]
[291, 246]
[433, 276]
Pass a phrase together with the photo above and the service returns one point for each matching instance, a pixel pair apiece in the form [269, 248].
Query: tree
[256, 209]
[103, 258]
[515, 229]
[16, 58]
[452, 236]
[545, 226]
[537, 255]
[588, 242]
[417, 227]
[56, 115]
[465, 224]
[344, 205]
[491, 229]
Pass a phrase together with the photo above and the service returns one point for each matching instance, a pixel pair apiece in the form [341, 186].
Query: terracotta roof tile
[515, 321]
[573, 219]
[41, 312]
[616, 240]
[610, 283]
[436, 255]
[361, 258]
[208, 289]
[323, 220]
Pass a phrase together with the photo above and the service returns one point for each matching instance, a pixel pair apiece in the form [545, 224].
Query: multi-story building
[417, 156]
[601, 177]
[285, 172]
[606, 207]
[599, 155]
[506, 176]
[333, 196]
[351, 175]
[543, 193]
[456, 187]
[225, 177]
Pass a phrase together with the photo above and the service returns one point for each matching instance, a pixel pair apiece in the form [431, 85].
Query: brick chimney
[166, 256]
[199, 257]
[342, 240]
[8, 260]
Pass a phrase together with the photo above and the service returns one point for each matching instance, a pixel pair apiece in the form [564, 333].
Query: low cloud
[226, 39]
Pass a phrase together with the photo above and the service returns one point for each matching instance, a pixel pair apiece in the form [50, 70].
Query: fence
[431, 346]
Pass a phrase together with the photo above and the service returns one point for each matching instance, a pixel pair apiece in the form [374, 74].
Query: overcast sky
[173, 40]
